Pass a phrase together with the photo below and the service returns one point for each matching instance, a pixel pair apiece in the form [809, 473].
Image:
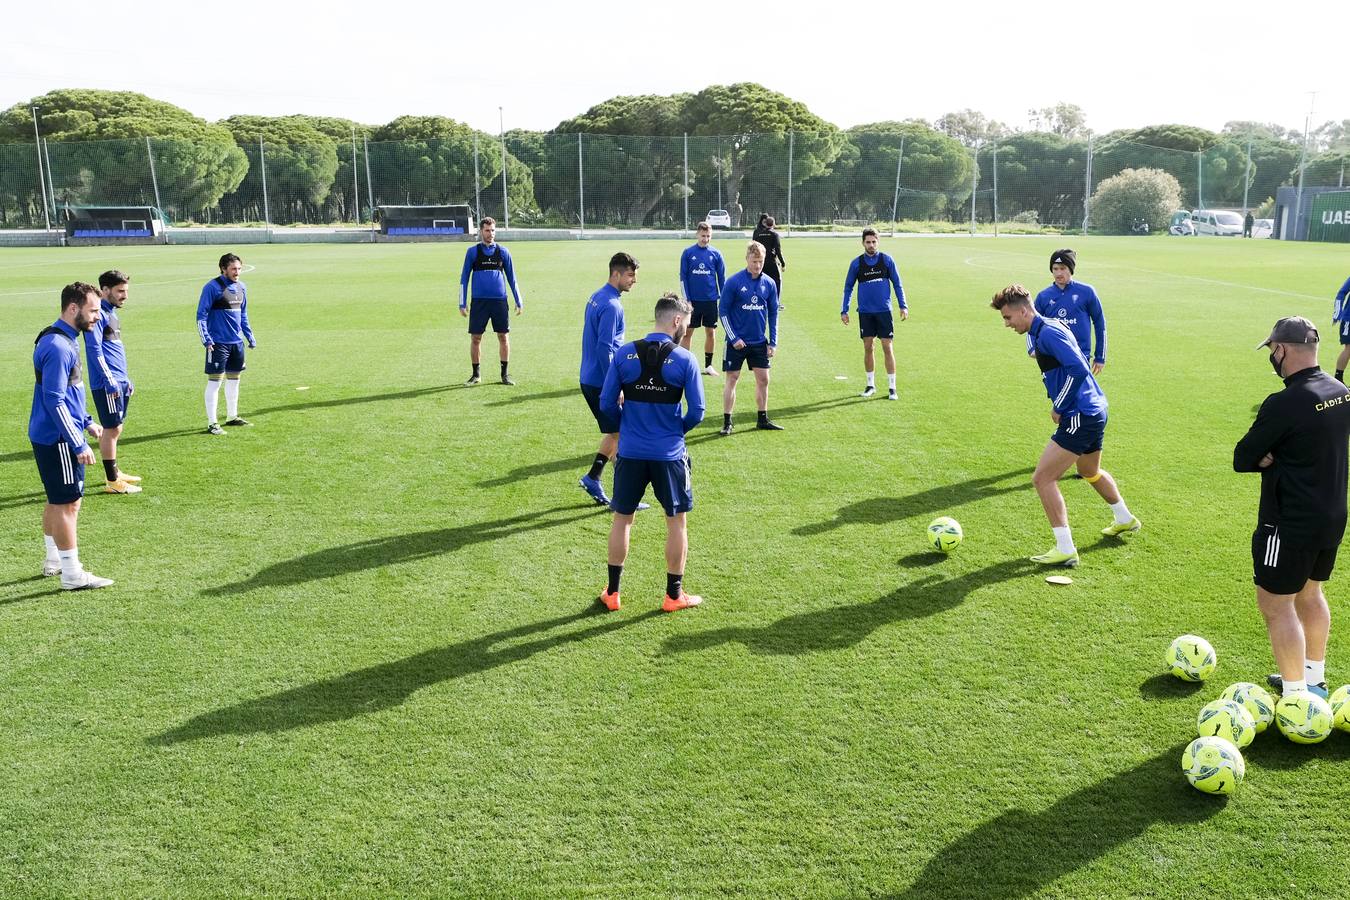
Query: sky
[531, 64]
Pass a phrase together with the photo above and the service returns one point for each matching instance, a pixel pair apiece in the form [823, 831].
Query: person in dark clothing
[774, 264]
[1299, 445]
[1247, 224]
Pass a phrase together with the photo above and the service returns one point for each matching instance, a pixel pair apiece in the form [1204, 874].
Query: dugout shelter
[414, 223]
[96, 225]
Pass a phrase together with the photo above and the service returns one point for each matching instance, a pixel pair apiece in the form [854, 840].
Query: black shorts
[1285, 570]
[670, 480]
[483, 311]
[592, 395]
[112, 409]
[756, 356]
[704, 314]
[225, 358]
[874, 325]
[62, 474]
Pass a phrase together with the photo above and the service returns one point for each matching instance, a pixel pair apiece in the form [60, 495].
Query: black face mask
[1274, 364]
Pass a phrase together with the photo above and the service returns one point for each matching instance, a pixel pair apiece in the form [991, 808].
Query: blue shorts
[670, 480]
[112, 410]
[481, 311]
[756, 356]
[1345, 332]
[592, 395]
[225, 358]
[879, 324]
[62, 474]
[704, 314]
[1081, 434]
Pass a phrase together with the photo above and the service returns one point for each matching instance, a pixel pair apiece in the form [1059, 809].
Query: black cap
[1291, 330]
[1065, 258]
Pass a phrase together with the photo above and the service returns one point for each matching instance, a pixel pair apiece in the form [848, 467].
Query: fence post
[1087, 186]
[262, 166]
[686, 181]
[51, 181]
[1200, 179]
[42, 180]
[581, 186]
[154, 179]
[506, 206]
[895, 201]
[477, 197]
[1247, 184]
[370, 193]
[356, 183]
[995, 190]
[974, 184]
[787, 222]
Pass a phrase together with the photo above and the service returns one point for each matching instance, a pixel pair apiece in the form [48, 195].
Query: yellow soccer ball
[1213, 765]
[1255, 698]
[1303, 717]
[1191, 658]
[1226, 719]
[1340, 707]
[945, 534]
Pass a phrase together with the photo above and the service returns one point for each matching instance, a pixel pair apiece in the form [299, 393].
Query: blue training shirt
[222, 313]
[601, 334]
[488, 269]
[749, 309]
[874, 276]
[702, 273]
[58, 412]
[653, 430]
[1339, 310]
[107, 357]
[1078, 307]
[1064, 369]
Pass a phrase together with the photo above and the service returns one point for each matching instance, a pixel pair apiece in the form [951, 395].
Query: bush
[1148, 194]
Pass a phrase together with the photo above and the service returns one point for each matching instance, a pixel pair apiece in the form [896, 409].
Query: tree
[300, 162]
[343, 196]
[1039, 171]
[1325, 169]
[1148, 194]
[934, 173]
[1064, 119]
[970, 127]
[1183, 150]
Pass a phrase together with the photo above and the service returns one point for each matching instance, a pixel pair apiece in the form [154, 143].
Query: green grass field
[353, 649]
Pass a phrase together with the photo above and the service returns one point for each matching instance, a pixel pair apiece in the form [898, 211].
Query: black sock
[726, 420]
[110, 469]
[674, 585]
[763, 415]
[614, 573]
[707, 359]
[504, 364]
[1340, 375]
[597, 466]
[475, 370]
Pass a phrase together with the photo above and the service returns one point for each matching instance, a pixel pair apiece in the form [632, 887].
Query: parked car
[1263, 228]
[1217, 222]
[719, 218]
[1181, 224]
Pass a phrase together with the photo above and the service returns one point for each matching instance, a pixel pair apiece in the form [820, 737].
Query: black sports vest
[1045, 360]
[651, 386]
[112, 327]
[228, 299]
[877, 271]
[484, 263]
[76, 377]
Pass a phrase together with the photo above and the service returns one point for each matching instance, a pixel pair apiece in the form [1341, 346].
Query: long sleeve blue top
[601, 334]
[749, 309]
[1064, 369]
[488, 271]
[106, 355]
[702, 273]
[58, 412]
[1339, 311]
[1077, 306]
[874, 276]
[653, 430]
[222, 313]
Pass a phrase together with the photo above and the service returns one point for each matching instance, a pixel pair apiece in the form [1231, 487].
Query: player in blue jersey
[1078, 407]
[1340, 314]
[109, 383]
[875, 273]
[485, 277]
[222, 325]
[702, 275]
[749, 314]
[602, 333]
[652, 376]
[56, 427]
[1076, 305]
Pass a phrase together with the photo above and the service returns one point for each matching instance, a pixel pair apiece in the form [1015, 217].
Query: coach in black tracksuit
[1299, 445]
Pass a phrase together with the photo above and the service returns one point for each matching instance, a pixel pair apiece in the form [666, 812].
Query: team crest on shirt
[1062, 312]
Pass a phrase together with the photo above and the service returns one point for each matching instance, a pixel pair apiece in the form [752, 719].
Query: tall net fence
[595, 181]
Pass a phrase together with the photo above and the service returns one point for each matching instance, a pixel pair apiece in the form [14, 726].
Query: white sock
[232, 398]
[1122, 512]
[890, 379]
[53, 555]
[1293, 687]
[1063, 539]
[1315, 670]
[212, 395]
[871, 379]
[70, 563]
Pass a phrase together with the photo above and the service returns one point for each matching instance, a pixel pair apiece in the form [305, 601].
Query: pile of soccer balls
[1213, 762]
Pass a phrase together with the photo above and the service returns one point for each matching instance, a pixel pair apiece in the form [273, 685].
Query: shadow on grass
[1272, 750]
[541, 395]
[1165, 686]
[883, 510]
[23, 499]
[387, 685]
[1021, 853]
[745, 420]
[400, 548]
[578, 464]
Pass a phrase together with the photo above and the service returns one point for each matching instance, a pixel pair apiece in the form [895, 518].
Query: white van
[1217, 222]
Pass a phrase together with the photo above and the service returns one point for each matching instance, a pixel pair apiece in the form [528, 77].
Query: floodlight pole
[686, 181]
[42, 181]
[501, 133]
[787, 222]
[581, 186]
[356, 182]
[1302, 163]
[895, 201]
[262, 165]
[974, 183]
[477, 197]
[370, 193]
[995, 167]
[51, 180]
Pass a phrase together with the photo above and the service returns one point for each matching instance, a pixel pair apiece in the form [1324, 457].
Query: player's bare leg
[1054, 462]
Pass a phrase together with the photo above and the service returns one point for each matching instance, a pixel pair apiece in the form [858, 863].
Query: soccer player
[1340, 313]
[875, 273]
[654, 374]
[702, 276]
[1298, 444]
[601, 336]
[109, 382]
[1078, 407]
[54, 428]
[749, 313]
[222, 324]
[486, 274]
[1076, 305]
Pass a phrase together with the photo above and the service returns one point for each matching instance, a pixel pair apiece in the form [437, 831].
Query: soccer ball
[944, 533]
[1255, 698]
[1340, 708]
[1228, 720]
[1213, 765]
[1191, 658]
[1303, 717]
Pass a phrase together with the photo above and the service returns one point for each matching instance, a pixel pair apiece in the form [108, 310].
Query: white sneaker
[868, 391]
[85, 580]
[710, 371]
[50, 568]
[893, 396]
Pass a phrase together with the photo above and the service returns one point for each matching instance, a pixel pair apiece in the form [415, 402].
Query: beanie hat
[1064, 257]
